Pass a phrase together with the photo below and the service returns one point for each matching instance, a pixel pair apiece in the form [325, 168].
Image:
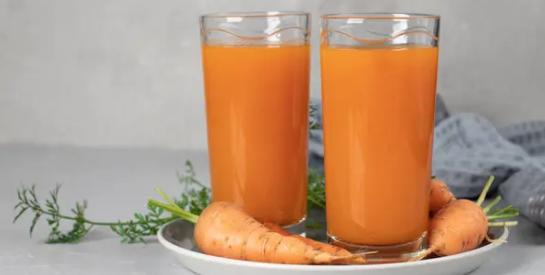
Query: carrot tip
[495, 240]
[423, 255]
[357, 257]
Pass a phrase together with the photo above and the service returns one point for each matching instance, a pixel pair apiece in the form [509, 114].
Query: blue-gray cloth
[468, 149]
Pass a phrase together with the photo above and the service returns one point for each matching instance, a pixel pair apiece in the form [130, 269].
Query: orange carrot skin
[440, 195]
[331, 249]
[458, 227]
[225, 230]
[278, 229]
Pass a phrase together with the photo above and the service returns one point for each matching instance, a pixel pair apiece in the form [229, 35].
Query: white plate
[177, 236]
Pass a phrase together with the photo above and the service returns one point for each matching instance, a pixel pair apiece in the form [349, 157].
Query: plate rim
[248, 264]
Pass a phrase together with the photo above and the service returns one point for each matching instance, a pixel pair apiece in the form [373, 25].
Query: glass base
[298, 228]
[385, 254]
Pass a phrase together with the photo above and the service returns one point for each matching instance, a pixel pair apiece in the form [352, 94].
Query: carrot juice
[378, 120]
[257, 106]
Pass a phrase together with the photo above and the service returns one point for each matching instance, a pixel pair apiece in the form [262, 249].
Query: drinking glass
[379, 76]
[256, 77]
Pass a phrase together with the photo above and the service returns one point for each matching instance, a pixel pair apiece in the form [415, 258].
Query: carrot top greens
[194, 198]
[494, 213]
[130, 231]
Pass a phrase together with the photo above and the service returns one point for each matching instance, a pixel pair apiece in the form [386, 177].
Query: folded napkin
[468, 149]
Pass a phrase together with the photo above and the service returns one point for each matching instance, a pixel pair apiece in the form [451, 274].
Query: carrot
[440, 195]
[462, 225]
[331, 249]
[224, 230]
[279, 229]
[459, 227]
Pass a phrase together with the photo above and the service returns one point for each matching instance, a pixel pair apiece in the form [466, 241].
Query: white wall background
[128, 72]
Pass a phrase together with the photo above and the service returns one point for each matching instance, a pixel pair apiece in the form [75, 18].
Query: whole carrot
[462, 225]
[224, 230]
[458, 227]
[440, 195]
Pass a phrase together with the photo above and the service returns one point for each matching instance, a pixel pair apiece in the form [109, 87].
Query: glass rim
[380, 15]
[255, 14]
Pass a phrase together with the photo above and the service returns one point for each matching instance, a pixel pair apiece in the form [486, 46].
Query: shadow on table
[507, 260]
[527, 233]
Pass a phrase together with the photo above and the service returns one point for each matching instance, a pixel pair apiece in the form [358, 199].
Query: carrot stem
[310, 198]
[507, 210]
[163, 206]
[492, 204]
[513, 223]
[485, 190]
[504, 213]
[175, 211]
[500, 211]
[504, 216]
[167, 198]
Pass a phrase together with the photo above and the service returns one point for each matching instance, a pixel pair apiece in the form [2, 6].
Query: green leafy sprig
[316, 190]
[131, 231]
[194, 199]
[314, 125]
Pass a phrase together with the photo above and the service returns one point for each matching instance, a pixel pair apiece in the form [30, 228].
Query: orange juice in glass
[379, 76]
[256, 79]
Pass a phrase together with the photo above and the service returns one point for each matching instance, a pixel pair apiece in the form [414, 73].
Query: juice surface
[257, 107]
[378, 116]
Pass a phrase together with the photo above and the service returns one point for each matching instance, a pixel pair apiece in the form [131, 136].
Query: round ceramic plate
[177, 236]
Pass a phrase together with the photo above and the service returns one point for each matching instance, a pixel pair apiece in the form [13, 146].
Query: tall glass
[379, 76]
[256, 78]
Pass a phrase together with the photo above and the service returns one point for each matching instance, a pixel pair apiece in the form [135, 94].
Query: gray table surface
[117, 182]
